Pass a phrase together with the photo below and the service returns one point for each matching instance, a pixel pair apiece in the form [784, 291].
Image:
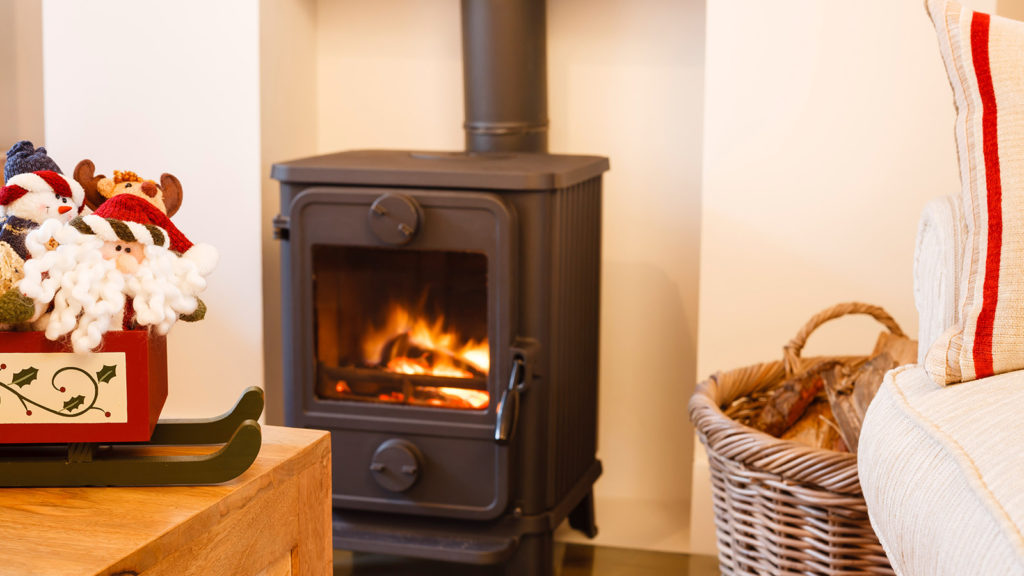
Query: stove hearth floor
[570, 560]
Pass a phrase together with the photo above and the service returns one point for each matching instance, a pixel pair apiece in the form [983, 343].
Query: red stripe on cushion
[993, 183]
[11, 193]
[56, 182]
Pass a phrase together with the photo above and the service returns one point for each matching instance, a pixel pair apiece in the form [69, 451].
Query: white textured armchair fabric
[938, 270]
[942, 468]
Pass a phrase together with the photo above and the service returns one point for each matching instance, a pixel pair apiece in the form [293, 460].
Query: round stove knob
[396, 465]
[394, 219]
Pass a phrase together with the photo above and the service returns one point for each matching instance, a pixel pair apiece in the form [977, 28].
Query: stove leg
[582, 516]
[534, 557]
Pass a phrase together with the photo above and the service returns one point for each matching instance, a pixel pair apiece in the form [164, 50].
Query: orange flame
[475, 399]
[427, 336]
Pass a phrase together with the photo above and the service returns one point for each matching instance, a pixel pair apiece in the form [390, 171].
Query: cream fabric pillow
[984, 58]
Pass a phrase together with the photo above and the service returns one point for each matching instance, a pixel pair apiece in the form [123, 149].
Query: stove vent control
[394, 219]
[396, 465]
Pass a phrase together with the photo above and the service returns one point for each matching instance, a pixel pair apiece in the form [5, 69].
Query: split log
[902, 349]
[817, 428]
[850, 389]
[790, 399]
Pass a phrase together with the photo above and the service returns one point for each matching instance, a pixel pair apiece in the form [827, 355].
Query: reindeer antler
[84, 171]
[172, 193]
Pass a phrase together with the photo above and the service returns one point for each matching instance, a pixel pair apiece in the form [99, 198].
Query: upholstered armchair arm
[938, 273]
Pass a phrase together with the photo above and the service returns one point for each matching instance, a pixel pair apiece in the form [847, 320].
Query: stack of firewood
[824, 406]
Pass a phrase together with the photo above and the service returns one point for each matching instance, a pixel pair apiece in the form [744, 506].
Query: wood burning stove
[440, 315]
[441, 312]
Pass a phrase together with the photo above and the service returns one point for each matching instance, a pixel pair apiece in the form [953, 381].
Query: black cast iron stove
[440, 316]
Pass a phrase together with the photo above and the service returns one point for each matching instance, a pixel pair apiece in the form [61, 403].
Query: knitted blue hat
[22, 158]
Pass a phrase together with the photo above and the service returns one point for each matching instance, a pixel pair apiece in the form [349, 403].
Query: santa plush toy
[124, 266]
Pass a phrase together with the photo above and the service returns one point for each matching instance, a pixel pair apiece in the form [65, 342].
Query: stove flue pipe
[504, 59]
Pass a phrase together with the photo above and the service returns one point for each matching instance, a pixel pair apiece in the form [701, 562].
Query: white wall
[174, 87]
[625, 80]
[288, 126]
[389, 75]
[21, 73]
[828, 126]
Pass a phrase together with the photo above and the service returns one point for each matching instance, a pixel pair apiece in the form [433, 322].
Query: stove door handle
[508, 407]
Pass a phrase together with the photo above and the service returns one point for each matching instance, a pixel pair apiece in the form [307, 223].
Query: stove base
[525, 544]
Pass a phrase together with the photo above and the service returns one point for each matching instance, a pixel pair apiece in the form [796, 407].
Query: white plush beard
[88, 292]
[163, 288]
[85, 288]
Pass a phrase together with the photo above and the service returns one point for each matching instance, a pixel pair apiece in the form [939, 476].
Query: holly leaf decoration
[74, 402]
[106, 374]
[25, 377]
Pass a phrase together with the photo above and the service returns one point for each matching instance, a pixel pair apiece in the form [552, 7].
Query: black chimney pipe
[504, 59]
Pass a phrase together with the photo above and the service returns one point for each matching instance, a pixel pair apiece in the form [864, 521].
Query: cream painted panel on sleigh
[56, 388]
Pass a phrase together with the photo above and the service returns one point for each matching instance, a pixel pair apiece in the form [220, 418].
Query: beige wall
[389, 75]
[625, 81]
[288, 128]
[1011, 9]
[21, 68]
[827, 129]
[181, 96]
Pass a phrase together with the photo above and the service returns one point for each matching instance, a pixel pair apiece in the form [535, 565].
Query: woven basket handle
[791, 351]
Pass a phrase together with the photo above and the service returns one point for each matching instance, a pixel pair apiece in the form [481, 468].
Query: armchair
[942, 468]
[941, 453]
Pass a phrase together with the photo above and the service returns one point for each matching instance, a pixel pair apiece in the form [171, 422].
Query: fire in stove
[413, 344]
[402, 327]
[417, 359]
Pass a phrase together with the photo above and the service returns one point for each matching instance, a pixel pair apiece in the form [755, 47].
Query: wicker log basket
[782, 507]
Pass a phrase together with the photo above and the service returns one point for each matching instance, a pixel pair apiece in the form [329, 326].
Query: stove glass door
[401, 327]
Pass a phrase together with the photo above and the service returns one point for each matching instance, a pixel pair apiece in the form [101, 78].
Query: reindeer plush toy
[166, 196]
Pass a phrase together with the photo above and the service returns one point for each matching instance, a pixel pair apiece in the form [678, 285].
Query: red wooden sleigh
[71, 419]
[114, 395]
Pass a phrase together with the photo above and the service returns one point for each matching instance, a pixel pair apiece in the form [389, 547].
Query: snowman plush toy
[35, 190]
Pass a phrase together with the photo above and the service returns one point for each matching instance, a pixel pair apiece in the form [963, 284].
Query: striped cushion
[984, 58]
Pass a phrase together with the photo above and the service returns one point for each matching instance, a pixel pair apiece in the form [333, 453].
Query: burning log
[445, 397]
[401, 354]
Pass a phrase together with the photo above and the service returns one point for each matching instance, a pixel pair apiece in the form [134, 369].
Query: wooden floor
[570, 559]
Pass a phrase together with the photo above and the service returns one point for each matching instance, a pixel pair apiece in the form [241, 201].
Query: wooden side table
[274, 520]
